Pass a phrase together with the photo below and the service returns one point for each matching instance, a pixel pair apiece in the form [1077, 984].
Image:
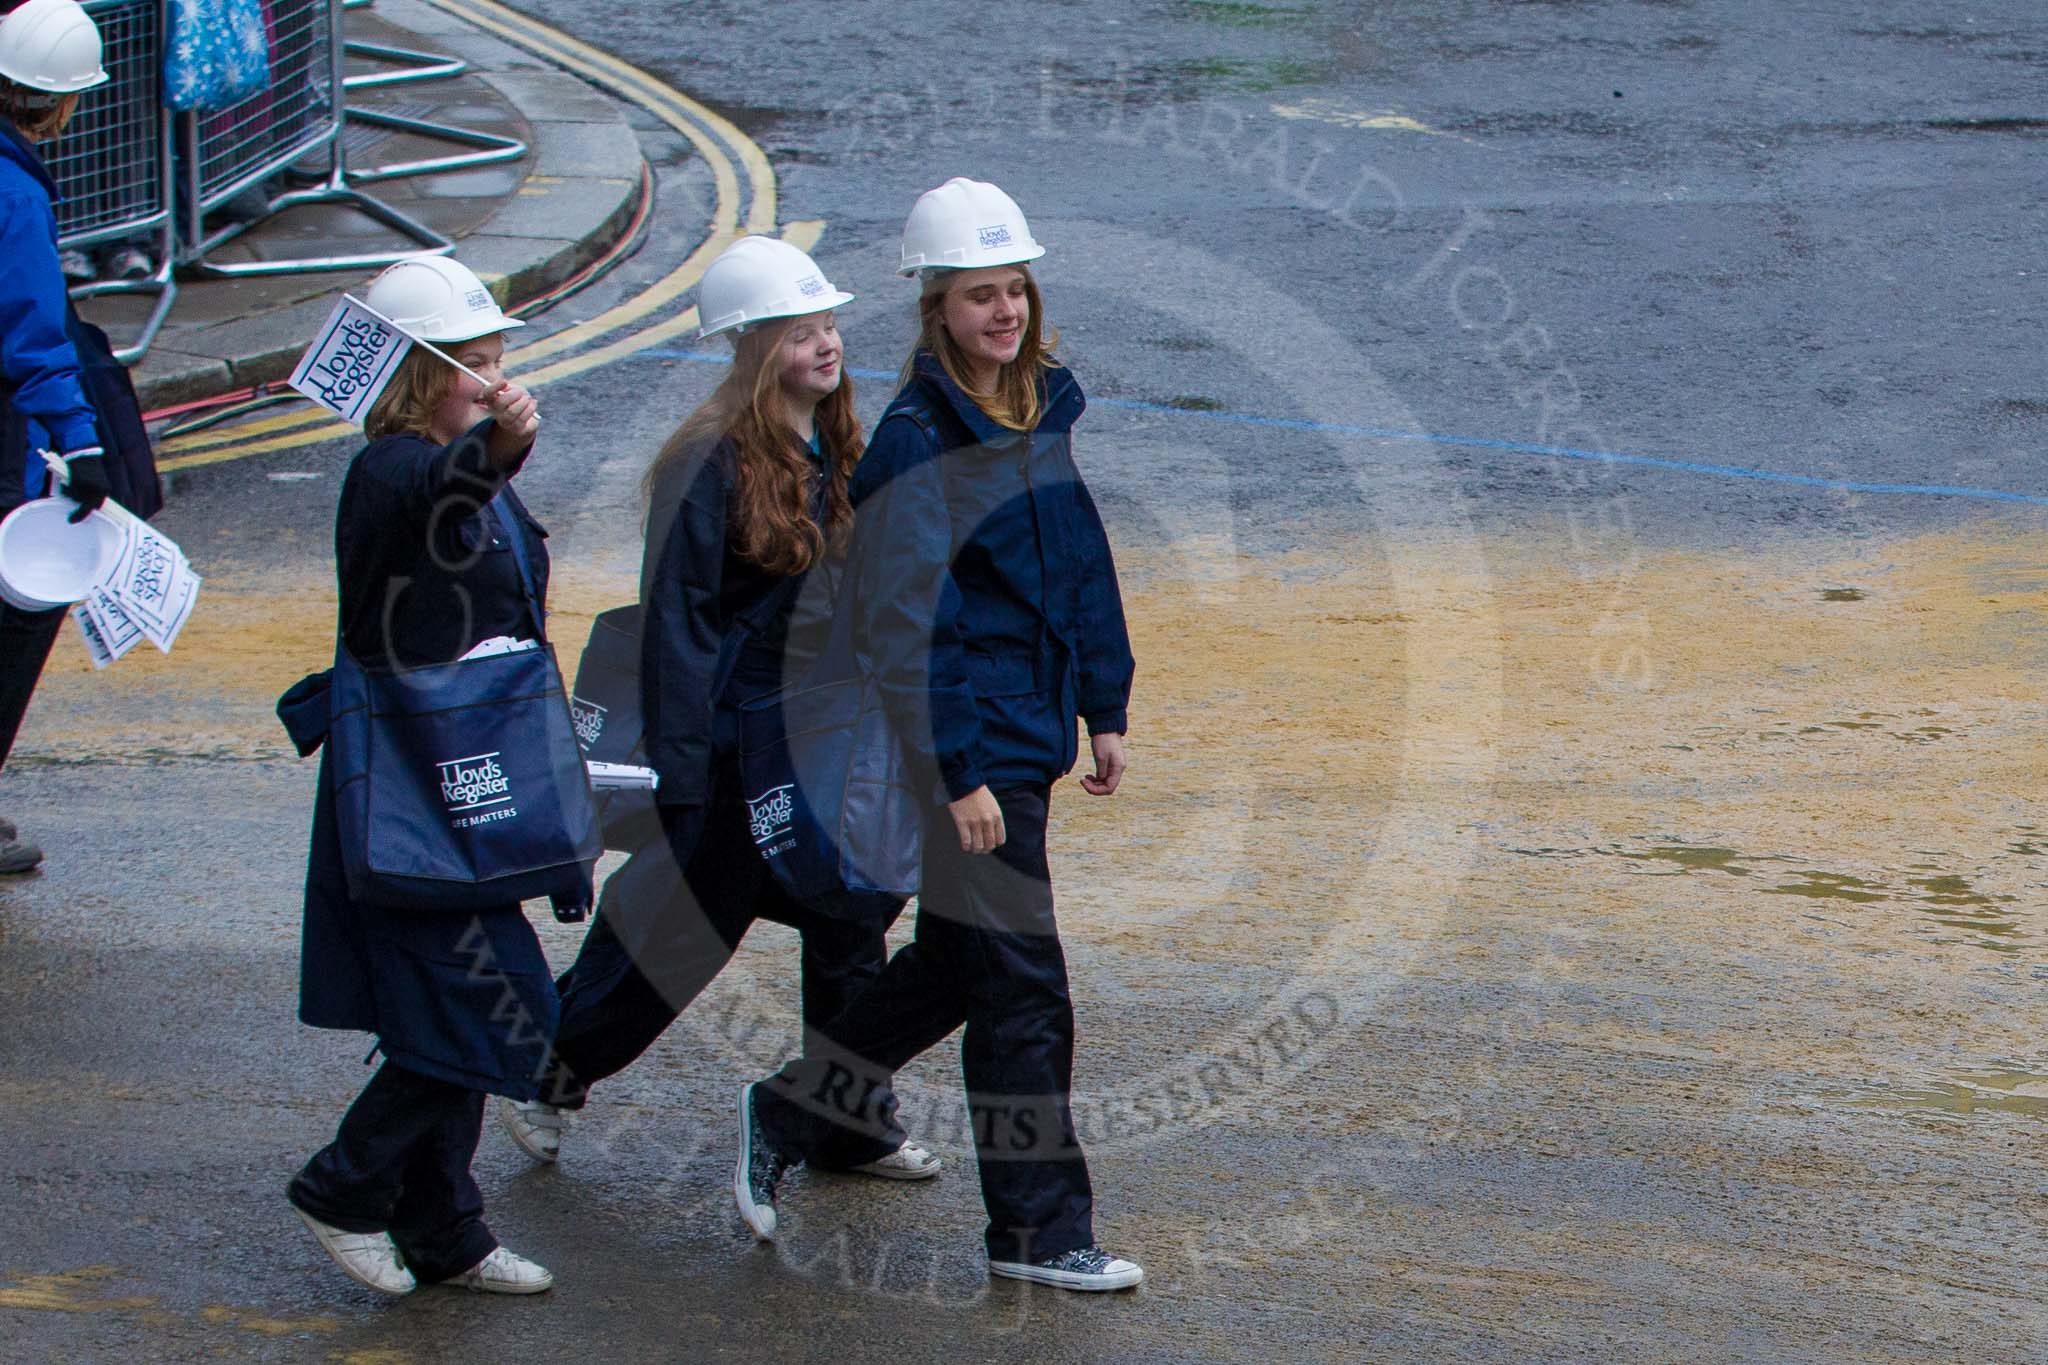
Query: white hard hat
[757, 278]
[964, 225]
[53, 46]
[435, 298]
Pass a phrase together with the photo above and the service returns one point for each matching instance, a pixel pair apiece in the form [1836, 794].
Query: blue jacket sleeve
[681, 637]
[36, 354]
[1104, 643]
[909, 605]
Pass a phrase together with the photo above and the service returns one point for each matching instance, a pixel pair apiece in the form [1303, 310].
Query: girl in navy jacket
[429, 538]
[748, 509]
[990, 612]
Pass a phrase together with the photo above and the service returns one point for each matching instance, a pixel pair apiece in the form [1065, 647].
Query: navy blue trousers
[986, 955]
[659, 938]
[25, 641]
[400, 1164]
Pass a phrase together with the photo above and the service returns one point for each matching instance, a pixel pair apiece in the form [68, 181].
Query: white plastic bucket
[46, 562]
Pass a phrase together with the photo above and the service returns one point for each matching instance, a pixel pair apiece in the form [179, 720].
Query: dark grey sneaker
[758, 1171]
[1085, 1269]
[16, 856]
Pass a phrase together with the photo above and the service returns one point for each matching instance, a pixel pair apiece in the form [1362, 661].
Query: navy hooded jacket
[39, 371]
[425, 573]
[988, 598]
[707, 610]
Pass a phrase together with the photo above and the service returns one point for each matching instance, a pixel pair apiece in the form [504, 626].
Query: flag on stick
[354, 357]
[351, 360]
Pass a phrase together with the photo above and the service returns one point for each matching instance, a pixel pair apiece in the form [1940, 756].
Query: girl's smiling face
[808, 360]
[985, 312]
[463, 407]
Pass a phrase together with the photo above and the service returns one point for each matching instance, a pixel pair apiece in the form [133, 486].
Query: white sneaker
[536, 1127]
[504, 1272]
[1085, 1268]
[370, 1258]
[908, 1162]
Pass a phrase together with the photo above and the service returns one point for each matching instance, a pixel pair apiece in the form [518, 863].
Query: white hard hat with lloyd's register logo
[964, 225]
[437, 299]
[52, 46]
[758, 278]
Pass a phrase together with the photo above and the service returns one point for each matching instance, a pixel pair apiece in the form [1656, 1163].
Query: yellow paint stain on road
[261, 1323]
[70, 1291]
[75, 1291]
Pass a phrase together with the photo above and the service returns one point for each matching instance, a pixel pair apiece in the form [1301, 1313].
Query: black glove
[87, 486]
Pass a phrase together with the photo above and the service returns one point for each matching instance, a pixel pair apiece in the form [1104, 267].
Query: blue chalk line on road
[1725, 471]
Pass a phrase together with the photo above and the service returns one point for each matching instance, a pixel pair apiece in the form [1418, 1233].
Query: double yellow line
[726, 149]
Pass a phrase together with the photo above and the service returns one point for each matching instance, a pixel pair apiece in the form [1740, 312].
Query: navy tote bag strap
[517, 540]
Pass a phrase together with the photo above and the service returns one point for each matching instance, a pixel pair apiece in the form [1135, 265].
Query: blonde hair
[406, 407]
[1015, 402]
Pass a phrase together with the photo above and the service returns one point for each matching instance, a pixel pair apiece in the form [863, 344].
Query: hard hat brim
[720, 326]
[1020, 257]
[502, 324]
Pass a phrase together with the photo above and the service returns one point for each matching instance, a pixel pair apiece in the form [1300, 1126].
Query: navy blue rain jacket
[39, 370]
[988, 596]
[425, 574]
[702, 612]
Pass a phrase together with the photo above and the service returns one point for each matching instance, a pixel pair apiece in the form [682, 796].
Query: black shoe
[1085, 1268]
[758, 1171]
[16, 856]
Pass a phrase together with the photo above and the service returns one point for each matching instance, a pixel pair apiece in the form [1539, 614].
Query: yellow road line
[666, 103]
[803, 234]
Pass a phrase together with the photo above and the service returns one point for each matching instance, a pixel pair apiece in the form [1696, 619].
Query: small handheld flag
[354, 357]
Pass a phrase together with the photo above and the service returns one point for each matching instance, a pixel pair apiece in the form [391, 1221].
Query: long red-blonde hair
[769, 520]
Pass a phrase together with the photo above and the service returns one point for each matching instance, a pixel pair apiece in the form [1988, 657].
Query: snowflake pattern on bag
[218, 53]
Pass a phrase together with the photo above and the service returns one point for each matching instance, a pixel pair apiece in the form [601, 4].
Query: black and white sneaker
[1085, 1268]
[758, 1171]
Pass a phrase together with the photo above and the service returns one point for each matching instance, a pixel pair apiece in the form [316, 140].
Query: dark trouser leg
[440, 1219]
[400, 1164]
[836, 1105]
[1017, 1053]
[987, 954]
[841, 959]
[655, 944]
[25, 641]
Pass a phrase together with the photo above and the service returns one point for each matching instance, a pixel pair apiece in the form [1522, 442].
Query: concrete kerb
[576, 191]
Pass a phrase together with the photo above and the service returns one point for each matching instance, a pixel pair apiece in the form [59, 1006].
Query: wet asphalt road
[1790, 240]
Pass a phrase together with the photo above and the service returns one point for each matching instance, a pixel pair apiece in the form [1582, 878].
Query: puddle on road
[1830, 886]
[1947, 899]
[2001, 1089]
[1842, 594]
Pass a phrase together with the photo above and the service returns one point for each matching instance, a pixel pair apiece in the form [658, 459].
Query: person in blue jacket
[748, 508]
[990, 613]
[49, 54]
[429, 537]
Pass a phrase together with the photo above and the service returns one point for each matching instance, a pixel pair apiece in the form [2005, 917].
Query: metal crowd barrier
[113, 165]
[407, 67]
[226, 154]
